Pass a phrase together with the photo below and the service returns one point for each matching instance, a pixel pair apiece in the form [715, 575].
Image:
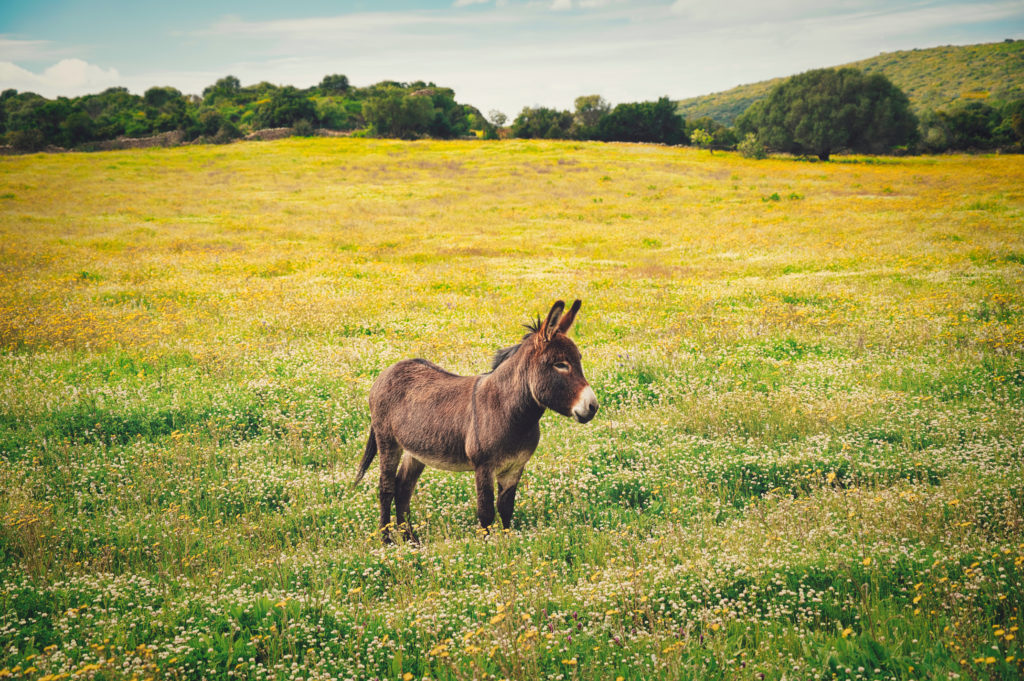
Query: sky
[496, 54]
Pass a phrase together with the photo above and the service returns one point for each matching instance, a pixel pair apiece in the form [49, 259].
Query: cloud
[68, 77]
[16, 49]
[505, 54]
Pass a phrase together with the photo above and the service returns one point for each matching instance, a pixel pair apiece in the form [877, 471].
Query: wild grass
[807, 464]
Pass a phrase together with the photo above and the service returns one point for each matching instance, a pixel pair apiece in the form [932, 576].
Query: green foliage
[702, 138]
[589, 111]
[396, 113]
[973, 126]
[823, 111]
[332, 113]
[284, 108]
[594, 119]
[26, 140]
[227, 110]
[542, 123]
[303, 128]
[226, 88]
[933, 79]
[215, 126]
[334, 85]
[719, 136]
[643, 122]
[1010, 130]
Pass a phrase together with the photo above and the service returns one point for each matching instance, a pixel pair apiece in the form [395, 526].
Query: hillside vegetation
[808, 463]
[933, 78]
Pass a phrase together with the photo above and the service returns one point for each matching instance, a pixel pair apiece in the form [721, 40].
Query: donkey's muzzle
[586, 405]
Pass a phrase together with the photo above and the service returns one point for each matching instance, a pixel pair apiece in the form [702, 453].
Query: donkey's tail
[371, 452]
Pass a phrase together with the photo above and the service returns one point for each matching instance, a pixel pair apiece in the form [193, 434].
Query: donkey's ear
[547, 331]
[566, 321]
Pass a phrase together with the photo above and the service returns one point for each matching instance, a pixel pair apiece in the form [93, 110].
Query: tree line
[816, 113]
[227, 110]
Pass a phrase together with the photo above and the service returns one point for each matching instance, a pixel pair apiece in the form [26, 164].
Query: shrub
[751, 147]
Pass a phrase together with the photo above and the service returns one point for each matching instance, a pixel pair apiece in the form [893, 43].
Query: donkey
[488, 424]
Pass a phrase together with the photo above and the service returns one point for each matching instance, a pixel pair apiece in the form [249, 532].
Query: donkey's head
[555, 375]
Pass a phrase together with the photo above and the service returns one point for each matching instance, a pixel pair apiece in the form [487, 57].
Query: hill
[933, 78]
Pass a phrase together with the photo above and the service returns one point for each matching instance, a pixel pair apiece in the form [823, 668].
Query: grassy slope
[808, 459]
[933, 78]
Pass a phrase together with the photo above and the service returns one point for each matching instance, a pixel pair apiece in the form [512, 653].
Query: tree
[77, 129]
[643, 122]
[972, 126]
[285, 107]
[227, 88]
[332, 114]
[28, 111]
[336, 84]
[212, 125]
[589, 111]
[721, 136]
[166, 108]
[703, 139]
[826, 110]
[497, 118]
[542, 123]
[394, 113]
[1010, 131]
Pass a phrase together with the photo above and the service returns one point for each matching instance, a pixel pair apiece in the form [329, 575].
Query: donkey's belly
[445, 462]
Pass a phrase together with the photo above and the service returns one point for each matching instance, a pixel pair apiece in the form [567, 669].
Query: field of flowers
[808, 463]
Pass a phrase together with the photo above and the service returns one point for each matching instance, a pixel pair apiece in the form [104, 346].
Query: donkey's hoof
[409, 536]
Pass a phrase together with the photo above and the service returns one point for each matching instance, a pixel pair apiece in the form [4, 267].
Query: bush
[26, 140]
[751, 147]
[303, 128]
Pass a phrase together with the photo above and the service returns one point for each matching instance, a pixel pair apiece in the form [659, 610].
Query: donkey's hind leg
[408, 474]
[390, 454]
[507, 484]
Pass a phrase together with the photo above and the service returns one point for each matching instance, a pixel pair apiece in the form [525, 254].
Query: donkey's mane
[504, 353]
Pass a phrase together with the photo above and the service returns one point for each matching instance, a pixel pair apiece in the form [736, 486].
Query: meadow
[807, 464]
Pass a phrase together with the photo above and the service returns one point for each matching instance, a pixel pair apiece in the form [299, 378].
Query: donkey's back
[425, 410]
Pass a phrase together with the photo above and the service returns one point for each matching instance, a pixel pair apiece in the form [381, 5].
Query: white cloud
[16, 49]
[521, 53]
[68, 77]
[561, 5]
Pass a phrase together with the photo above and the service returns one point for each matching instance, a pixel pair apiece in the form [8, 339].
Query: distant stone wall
[167, 139]
[269, 134]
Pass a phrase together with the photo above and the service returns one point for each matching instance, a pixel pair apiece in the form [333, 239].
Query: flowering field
[807, 465]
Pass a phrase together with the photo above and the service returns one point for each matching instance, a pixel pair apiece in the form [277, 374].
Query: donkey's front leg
[485, 496]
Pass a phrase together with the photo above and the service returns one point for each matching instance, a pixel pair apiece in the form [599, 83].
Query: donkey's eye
[562, 366]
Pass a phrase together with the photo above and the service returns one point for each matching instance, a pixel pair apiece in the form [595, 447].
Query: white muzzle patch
[586, 405]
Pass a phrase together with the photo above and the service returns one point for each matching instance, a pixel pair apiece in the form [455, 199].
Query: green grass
[807, 463]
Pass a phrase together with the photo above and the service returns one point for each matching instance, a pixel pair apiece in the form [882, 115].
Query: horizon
[495, 55]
